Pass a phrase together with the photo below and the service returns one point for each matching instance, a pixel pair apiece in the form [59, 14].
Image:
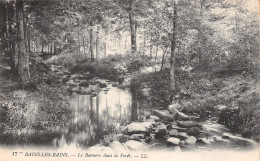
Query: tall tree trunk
[173, 49]
[97, 44]
[2, 29]
[36, 44]
[54, 48]
[51, 48]
[97, 109]
[91, 43]
[28, 37]
[151, 48]
[132, 27]
[78, 36]
[23, 56]
[156, 53]
[201, 65]
[84, 49]
[164, 52]
[144, 45]
[134, 106]
[26, 33]
[11, 38]
[42, 47]
[15, 42]
[105, 47]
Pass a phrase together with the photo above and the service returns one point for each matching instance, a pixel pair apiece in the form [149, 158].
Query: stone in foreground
[173, 141]
[135, 145]
[191, 140]
[137, 128]
[155, 118]
[183, 135]
[160, 130]
[173, 132]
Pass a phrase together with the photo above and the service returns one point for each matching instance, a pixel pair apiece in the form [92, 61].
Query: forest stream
[101, 108]
[97, 111]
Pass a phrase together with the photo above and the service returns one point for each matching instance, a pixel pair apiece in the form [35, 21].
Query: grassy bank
[112, 67]
[39, 109]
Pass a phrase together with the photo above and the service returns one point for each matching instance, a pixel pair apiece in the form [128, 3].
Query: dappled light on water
[95, 116]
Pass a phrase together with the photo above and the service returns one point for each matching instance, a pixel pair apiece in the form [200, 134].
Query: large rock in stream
[135, 145]
[194, 131]
[163, 114]
[137, 137]
[204, 141]
[183, 135]
[173, 132]
[160, 130]
[191, 140]
[155, 118]
[136, 128]
[173, 141]
[176, 109]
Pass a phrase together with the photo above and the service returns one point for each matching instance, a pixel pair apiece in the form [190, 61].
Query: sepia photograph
[130, 80]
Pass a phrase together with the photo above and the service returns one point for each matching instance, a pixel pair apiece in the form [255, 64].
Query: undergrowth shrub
[135, 65]
[29, 112]
[22, 116]
[157, 82]
[108, 71]
[66, 59]
[249, 113]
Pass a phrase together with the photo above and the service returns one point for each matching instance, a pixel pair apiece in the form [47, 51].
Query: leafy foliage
[44, 110]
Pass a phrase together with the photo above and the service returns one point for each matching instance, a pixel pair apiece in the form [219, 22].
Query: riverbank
[36, 110]
[208, 100]
[172, 130]
[230, 99]
[190, 121]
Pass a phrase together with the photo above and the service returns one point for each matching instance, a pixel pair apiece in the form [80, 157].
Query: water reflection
[93, 117]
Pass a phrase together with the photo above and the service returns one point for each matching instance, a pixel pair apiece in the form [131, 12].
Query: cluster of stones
[175, 128]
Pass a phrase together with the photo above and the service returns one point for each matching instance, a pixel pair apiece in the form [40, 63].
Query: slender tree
[91, 43]
[23, 55]
[173, 46]
[133, 26]
[97, 44]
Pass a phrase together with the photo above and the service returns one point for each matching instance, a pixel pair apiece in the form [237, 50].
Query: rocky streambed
[159, 131]
[104, 111]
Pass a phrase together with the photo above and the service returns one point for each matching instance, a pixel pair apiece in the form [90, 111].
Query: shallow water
[98, 112]
[95, 116]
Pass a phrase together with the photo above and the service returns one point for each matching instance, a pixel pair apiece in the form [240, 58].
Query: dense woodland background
[205, 35]
[204, 52]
